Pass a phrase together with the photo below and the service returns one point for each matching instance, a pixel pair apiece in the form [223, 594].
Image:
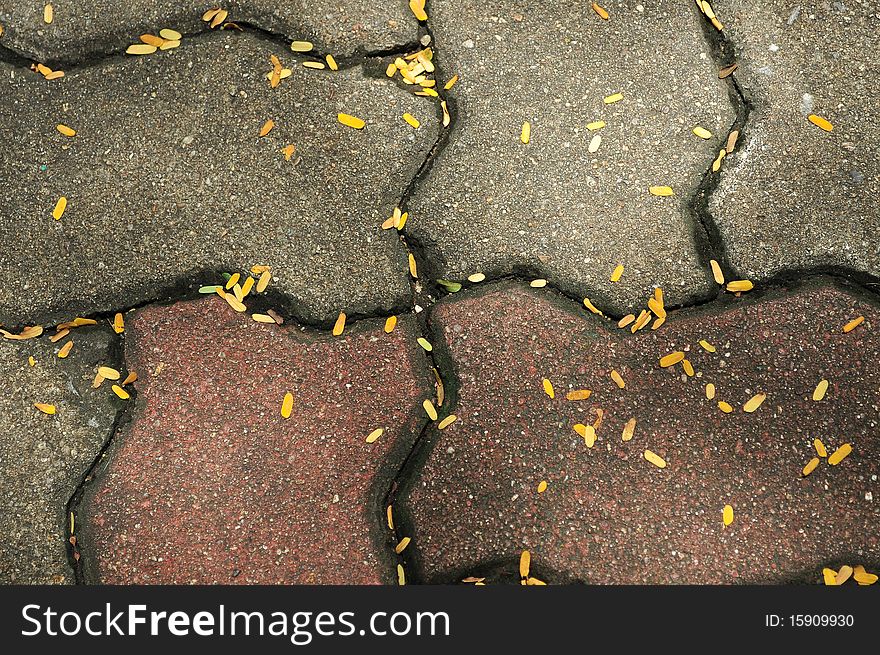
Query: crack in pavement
[186, 289]
[90, 60]
[44, 457]
[424, 294]
[354, 30]
[707, 236]
[123, 416]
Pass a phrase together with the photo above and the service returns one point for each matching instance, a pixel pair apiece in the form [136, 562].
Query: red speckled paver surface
[209, 484]
[608, 515]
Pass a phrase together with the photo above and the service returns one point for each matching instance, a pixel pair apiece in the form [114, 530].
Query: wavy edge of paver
[394, 298]
[506, 569]
[78, 50]
[757, 107]
[104, 349]
[705, 241]
[86, 566]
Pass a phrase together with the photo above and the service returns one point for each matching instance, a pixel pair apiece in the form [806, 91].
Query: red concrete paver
[209, 484]
[610, 516]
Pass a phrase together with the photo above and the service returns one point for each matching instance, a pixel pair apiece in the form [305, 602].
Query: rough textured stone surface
[793, 196]
[169, 186]
[551, 208]
[83, 28]
[209, 484]
[43, 458]
[608, 515]
[171, 179]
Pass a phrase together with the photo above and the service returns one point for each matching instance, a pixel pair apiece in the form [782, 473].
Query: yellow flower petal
[820, 122]
[287, 405]
[655, 459]
[351, 121]
[727, 515]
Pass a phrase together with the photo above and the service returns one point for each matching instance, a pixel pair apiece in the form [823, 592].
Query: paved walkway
[355, 293]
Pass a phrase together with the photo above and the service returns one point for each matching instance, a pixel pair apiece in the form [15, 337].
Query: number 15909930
[809, 621]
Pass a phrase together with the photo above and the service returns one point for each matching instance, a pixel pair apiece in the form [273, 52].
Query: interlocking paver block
[610, 516]
[170, 179]
[551, 208]
[209, 484]
[43, 457]
[792, 196]
[88, 28]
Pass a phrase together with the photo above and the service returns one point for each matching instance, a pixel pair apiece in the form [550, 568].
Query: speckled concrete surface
[88, 28]
[610, 516]
[42, 457]
[210, 484]
[172, 179]
[793, 196]
[551, 207]
[169, 186]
